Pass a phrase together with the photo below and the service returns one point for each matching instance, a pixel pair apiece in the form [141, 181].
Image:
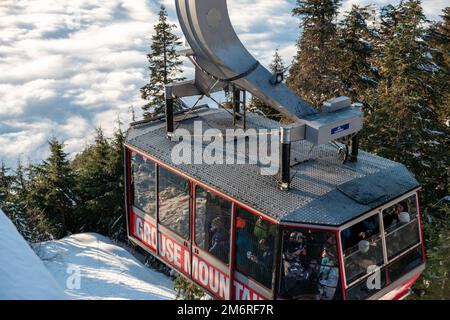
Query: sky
[67, 67]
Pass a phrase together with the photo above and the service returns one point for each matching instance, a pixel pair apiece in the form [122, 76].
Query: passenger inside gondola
[244, 246]
[296, 249]
[213, 224]
[310, 265]
[263, 258]
[393, 215]
[219, 244]
[255, 243]
[362, 246]
[328, 279]
[364, 230]
[401, 227]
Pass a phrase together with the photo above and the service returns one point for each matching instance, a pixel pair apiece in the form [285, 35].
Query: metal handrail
[388, 233]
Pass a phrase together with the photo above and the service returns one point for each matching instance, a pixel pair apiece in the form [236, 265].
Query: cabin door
[211, 249]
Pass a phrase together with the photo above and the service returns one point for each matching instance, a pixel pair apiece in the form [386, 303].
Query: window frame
[303, 228]
[276, 251]
[158, 220]
[194, 226]
[385, 234]
[133, 185]
[383, 244]
[380, 211]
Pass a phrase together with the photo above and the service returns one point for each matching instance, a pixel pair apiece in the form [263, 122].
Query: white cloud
[69, 66]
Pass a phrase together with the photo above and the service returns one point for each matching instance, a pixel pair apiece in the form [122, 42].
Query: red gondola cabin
[342, 231]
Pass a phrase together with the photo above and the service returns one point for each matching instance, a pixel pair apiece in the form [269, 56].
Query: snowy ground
[90, 266]
[22, 273]
[84, 266]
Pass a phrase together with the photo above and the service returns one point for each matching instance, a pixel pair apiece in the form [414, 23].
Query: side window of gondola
[213, 224]
[362, 248]
[144, 184]
[174, 202]
[309, 265]
[401, 227]
[255, 244]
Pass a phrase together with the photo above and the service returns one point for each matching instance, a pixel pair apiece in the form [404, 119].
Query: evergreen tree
[118, 228]
[355, 66]
[186, 290]
[165, 65]
[100, 187]
[313, 75]
[8, 198]
[439, 38]
[10, 202]
[435, 282]
[50, 189]
[403, 126]
[5, 185]
[277, 65]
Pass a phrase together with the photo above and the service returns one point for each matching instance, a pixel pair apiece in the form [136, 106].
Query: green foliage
[50, 190]
[357, 49]
[399, 68]
[313, 74]
[403, 126]
[165, 65]
[5, 184]
[186, 290]
[276, 65]
[59, 196]
[99, 186]
[439, 39]
[435, 283]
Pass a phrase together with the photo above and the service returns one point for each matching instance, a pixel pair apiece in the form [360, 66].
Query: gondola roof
[323, 191]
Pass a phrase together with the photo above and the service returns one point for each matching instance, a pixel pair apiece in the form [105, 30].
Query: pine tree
[14, 205]
[355, 66]
[403, 125]
[7, 194]
[165, 65]
[100, 187]
[435, 282]
[118, 228]
[313, 73]
[439, 38]
[277, 65]
[5, 185]
[50, 189]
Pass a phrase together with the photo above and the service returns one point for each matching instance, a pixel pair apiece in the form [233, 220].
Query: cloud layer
[67, 67]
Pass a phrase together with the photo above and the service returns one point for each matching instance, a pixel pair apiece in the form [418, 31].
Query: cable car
[318, 240]
[330, 222]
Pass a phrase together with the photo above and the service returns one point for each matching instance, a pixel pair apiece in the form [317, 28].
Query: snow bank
[90, 266]
[23, 276]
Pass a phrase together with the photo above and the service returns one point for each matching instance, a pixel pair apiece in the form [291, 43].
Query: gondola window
[174, 202]
[144, 173]
[213, 224]
[401, 225]
[310, 265]
[363, 248]
[255, 239]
